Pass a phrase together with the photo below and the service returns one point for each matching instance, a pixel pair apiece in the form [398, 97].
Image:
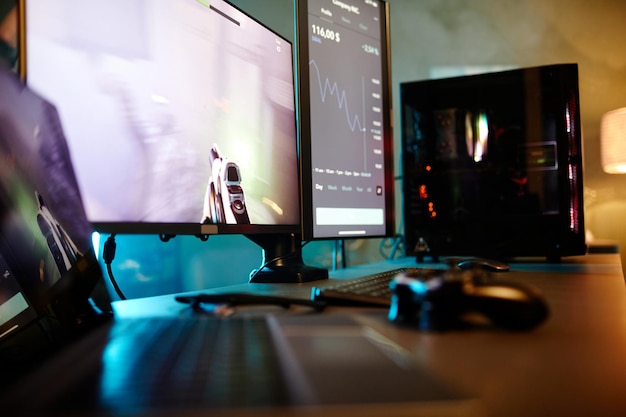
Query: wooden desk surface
[573, 365]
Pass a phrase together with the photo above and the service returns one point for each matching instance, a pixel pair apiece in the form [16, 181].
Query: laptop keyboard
[369, 290]
[192, 361]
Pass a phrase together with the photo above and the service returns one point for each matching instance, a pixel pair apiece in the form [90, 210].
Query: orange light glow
[423, 192]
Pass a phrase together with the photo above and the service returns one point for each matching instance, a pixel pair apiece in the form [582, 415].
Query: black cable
[237, 299]
[108, 254]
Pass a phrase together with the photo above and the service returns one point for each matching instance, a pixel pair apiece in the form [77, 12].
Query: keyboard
[193, 361]
[369, 290]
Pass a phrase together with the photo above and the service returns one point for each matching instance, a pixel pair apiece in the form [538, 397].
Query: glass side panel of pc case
[492, 164]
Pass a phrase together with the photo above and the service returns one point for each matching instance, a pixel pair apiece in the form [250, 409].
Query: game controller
[456, 299]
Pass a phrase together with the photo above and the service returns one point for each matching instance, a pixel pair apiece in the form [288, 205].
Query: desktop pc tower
[492, 165]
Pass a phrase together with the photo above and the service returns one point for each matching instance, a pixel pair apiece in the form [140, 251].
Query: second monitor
[345, 118]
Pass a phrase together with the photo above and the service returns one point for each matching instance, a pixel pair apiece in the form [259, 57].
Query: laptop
[49, 271]
[63, 353]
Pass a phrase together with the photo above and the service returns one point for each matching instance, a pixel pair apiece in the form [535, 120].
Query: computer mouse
[509, 305]
[490, 265]
[444, 303]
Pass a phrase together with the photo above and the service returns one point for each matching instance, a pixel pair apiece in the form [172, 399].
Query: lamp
[613, 141]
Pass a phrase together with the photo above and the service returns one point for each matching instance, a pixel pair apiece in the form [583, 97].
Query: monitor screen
[345, 118]
[492, 164]
[179, 114]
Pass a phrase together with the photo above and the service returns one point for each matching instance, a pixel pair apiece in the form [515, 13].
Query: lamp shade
[613, 141]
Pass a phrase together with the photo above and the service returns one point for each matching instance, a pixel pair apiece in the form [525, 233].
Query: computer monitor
[180, 117]
[345, 118]
[492, 164]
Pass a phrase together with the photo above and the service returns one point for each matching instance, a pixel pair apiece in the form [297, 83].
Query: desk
[573, 365]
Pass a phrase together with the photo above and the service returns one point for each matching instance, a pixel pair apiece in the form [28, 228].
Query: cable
[339, 254]
[393, 244]
[108, 254]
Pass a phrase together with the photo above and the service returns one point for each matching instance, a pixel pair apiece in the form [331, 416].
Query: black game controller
[448, 301]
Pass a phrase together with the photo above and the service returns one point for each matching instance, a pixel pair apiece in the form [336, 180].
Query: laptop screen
[47, 262]
[15, 310]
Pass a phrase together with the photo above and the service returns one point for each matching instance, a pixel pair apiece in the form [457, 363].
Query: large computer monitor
[345, 118]
[180, 118]
[492, 164]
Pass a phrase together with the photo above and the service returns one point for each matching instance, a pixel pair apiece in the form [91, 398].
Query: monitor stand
[282, 260]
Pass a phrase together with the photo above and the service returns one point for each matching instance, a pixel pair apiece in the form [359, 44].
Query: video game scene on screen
[164, 134]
